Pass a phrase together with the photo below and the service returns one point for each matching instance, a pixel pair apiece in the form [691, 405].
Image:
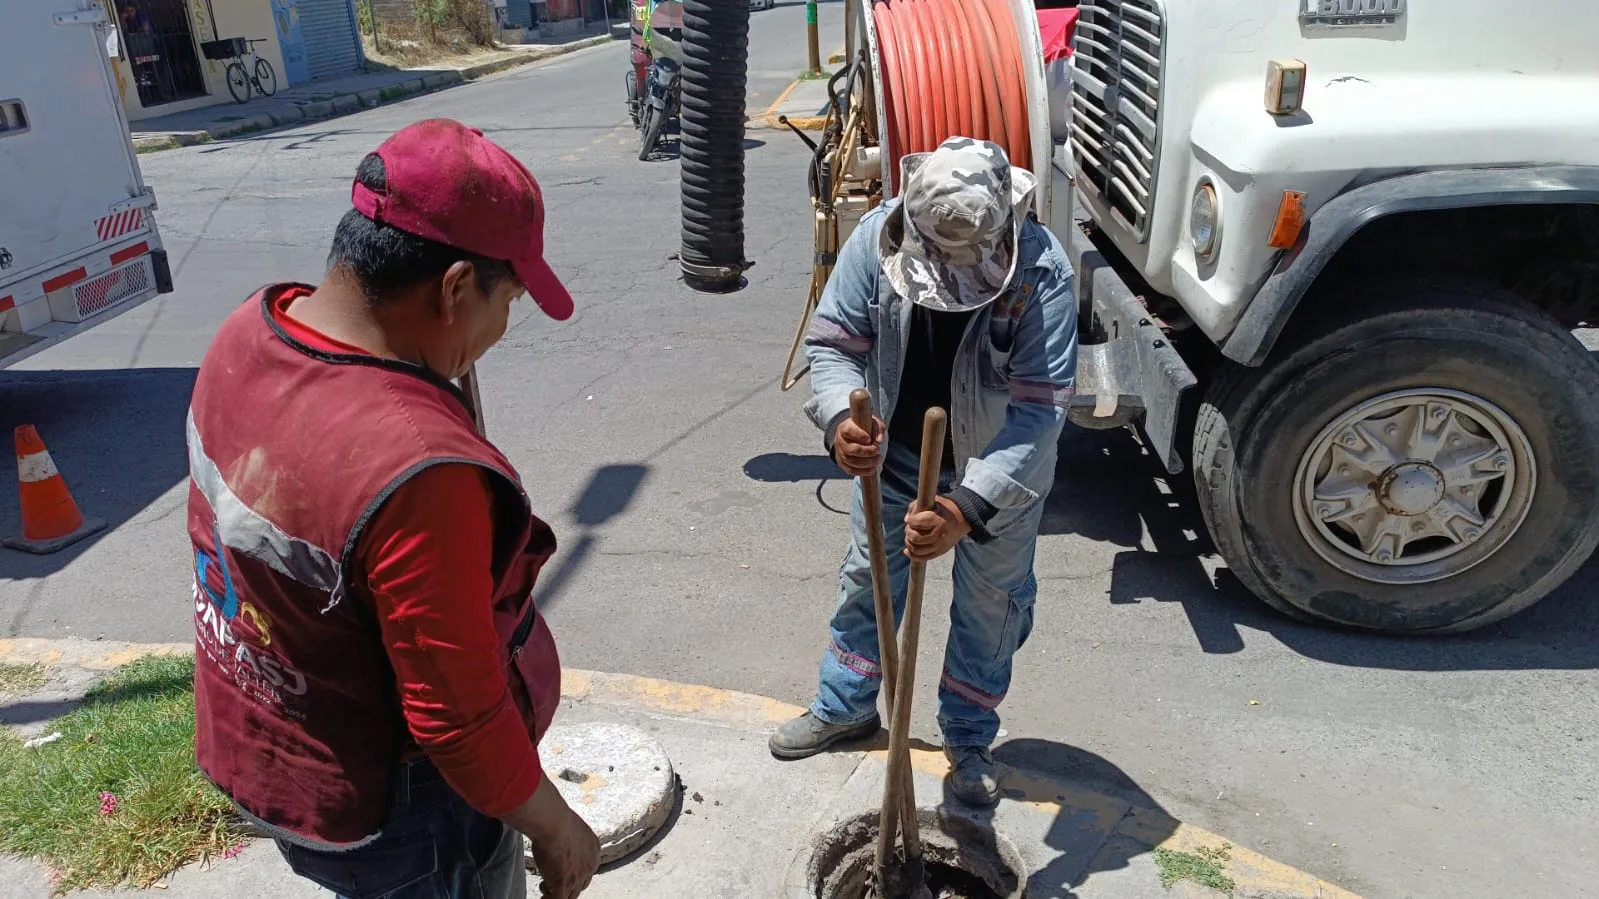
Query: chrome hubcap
[1414, 486]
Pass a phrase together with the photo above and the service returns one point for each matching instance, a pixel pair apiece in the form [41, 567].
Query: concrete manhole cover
[617, 778]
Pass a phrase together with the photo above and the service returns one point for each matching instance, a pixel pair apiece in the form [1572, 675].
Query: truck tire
[1429, 466]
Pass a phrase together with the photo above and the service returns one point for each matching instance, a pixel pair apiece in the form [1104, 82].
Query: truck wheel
[1429, 466]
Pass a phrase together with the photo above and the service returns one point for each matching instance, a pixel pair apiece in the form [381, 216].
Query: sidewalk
[803, 102]
[745, 822]
[341, 96]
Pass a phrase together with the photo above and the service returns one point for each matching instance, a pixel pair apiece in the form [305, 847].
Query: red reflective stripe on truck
[118, 224]
[60, 281]
[133, 252]
[6, 303]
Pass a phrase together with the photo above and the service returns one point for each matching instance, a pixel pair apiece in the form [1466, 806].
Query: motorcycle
[658, 103]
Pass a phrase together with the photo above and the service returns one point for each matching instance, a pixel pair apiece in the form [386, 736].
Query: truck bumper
[1127, 370]
[163, 271]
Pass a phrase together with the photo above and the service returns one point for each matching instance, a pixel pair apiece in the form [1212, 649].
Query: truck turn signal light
[1290, 221]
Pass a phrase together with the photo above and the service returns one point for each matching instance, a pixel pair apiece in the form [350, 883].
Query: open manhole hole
[965, 859]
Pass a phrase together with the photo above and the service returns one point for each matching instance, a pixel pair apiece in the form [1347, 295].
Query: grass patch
[807, 75]
[118, 799]
[16, 678]
[1202, 866]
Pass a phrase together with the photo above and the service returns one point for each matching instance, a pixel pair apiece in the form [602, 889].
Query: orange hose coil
[943, 43]
[967, 86]
[924, 93]
[950, 67]
[988, 44]
[888, 51]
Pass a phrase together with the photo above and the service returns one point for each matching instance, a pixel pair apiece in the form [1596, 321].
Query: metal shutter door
[332, 46]
[520, 14]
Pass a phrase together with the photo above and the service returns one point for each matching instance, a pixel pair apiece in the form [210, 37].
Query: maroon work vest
[292, 450]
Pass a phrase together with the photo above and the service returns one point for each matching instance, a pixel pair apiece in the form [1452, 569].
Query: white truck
[78, 242]
[1330, 257]
[1369, 227]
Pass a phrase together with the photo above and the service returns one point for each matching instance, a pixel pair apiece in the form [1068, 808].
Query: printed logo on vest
[235, 636]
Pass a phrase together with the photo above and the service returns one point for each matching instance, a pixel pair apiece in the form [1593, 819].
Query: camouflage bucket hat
[951, 242]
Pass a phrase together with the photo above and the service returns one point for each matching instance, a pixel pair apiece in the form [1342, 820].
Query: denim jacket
[1015, 370]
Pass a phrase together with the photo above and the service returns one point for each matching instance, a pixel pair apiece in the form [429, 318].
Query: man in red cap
[372, 676]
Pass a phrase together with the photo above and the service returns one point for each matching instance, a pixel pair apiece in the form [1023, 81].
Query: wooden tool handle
[934, 424]
[899, 803]
[860, 408]
[933, 427]
[474, 400]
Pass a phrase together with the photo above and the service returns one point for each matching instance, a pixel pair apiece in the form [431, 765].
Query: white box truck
[78, 242]
[1333, 259]
[1363, 231]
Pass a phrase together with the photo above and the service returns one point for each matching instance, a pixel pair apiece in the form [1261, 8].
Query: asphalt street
[702, 527]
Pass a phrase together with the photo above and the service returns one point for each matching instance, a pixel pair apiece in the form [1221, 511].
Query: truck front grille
[1116, 88]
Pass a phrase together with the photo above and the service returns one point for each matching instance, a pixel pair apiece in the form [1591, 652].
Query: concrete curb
[769, 117]
[1149, 828]
[90, 655]
[803, 123]
[344, 104]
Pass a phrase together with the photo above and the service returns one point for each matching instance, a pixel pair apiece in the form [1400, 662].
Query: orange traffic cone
[50, 518]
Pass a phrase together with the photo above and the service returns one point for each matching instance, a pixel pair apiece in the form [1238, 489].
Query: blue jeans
[433, 846]
[990, 617]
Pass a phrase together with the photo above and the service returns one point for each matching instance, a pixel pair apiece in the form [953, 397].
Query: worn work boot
[972, 777]
[808, 735]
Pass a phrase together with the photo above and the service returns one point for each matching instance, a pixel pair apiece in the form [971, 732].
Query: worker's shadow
[1103, 819]
[610, 490]
[788, 468]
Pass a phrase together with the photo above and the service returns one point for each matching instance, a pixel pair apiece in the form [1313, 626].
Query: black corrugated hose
[716, 51]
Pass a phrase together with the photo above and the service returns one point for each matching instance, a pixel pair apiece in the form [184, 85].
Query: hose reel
[920, 72]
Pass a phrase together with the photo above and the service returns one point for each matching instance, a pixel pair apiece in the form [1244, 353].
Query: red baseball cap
[450, 184]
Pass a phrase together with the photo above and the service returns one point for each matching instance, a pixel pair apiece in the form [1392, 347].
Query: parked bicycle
[246, 70]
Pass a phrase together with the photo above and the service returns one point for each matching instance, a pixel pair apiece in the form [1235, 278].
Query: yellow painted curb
[769, 118]
[1150, 827]
[803, 123]
[93, 655]
[670, 698]
[771, 111]
[1249, 869]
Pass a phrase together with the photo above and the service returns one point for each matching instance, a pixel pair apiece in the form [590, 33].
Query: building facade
[158, 49]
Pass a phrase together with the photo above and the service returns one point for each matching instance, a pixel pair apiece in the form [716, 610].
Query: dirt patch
[404, 48]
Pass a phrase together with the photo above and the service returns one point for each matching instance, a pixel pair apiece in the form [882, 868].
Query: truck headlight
[1204, 219]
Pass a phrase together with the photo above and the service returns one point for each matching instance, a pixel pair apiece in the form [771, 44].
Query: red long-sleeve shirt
[426, 563]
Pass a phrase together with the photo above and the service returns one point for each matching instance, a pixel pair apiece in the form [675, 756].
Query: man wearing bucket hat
[950, 295]
[371, 674]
